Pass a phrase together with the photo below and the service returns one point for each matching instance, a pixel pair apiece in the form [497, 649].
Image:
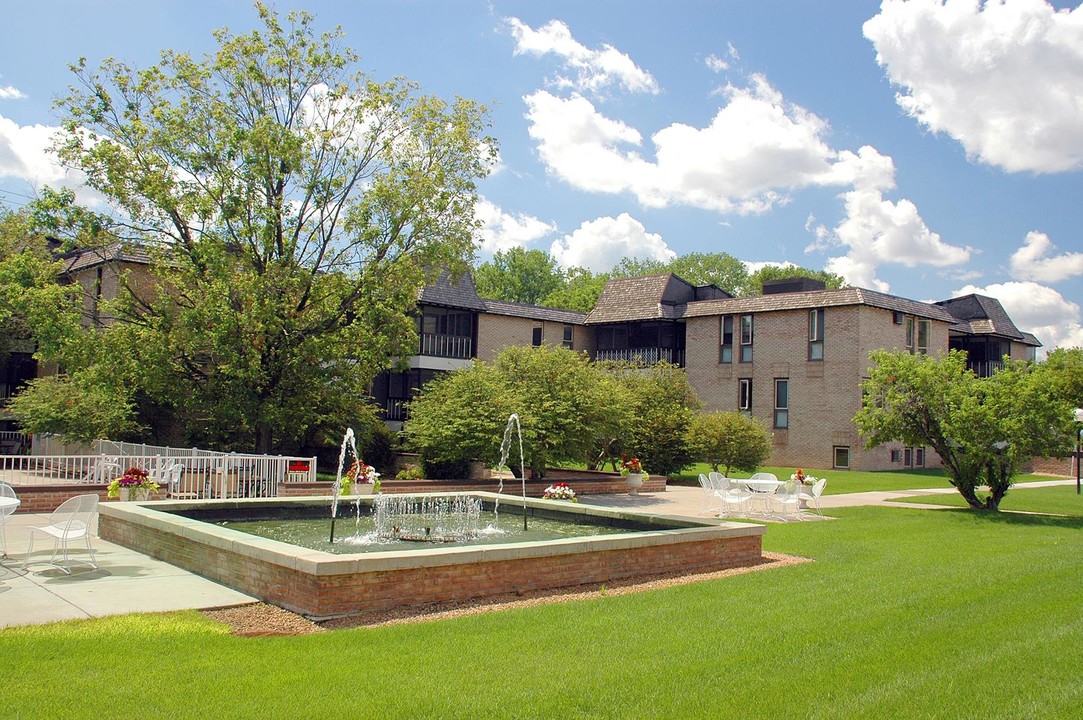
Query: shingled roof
[982, 315]
[457, 294]
[656, 297]
[84, 258]
[534, 312]
[818, 299]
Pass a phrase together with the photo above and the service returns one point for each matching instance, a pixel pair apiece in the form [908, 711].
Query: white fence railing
[57, 445]
[180, 476]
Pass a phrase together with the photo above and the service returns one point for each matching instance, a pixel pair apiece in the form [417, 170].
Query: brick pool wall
[348, 585]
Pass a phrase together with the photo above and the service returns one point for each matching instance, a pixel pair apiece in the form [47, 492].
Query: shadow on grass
[1009, 517]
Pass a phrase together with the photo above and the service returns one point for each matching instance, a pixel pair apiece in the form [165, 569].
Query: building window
[816, 334]
[896, 456]
[725, 350]
[568, 337]
[919, 457]
[536, 338]
[841, 460]
[923, 336]
[908, 457]
[746, 338]
[744, 398]
[910, 334]
[782, 403]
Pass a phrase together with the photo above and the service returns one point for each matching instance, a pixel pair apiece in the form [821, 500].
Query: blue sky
[923, 149]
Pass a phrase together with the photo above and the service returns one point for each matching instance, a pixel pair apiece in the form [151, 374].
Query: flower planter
[634, 481]
[142, 494]
[361, 488]
[125, 494]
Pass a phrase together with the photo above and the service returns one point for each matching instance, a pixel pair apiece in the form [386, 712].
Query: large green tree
[579, 291]
[519, 275]
[294, 206]
[658, 407]
[561, 399]
[983, 429]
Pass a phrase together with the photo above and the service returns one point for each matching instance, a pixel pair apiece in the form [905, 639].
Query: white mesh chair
[711, 500]
[736, 498]
[68, 523]
[763, 485]
[6, 491]
[788, 499]
[813, 494]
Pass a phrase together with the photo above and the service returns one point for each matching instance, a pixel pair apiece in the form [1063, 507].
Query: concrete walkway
[127, 581]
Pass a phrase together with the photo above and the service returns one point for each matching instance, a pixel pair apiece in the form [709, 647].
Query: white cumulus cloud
[1005, 79]
[501, 231]
[756, 147]
[755, 152]
[1037, 309]
[593, 70]
[1035, 260]
[8, 92]
[600, 244]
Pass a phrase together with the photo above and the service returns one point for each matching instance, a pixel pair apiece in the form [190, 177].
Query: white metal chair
[6, 491]
[710, 496]
[735, 497]
[813, 494]
[69, 522]
[763, 485]
[788, 497]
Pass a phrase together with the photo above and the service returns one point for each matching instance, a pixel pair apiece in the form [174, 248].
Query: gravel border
[262, 620]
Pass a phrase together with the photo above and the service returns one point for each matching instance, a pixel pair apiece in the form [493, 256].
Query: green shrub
[445, 469]
[729, 440]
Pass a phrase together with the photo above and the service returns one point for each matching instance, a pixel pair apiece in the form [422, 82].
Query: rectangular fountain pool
[321, 584]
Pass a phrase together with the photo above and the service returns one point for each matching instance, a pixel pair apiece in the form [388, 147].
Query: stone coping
[672, 529]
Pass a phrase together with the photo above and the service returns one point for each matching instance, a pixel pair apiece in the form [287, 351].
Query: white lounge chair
[69, 522]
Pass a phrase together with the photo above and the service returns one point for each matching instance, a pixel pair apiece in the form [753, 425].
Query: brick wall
[496, 332]
[46, 498]
[325, 594]
[824, 395]
[583, 482]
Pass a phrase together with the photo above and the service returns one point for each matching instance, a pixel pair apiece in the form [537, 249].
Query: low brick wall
[583, 482]
[46, 498]
[322, 585]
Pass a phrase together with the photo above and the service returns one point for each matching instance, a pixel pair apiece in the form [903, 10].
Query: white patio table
[762, 489]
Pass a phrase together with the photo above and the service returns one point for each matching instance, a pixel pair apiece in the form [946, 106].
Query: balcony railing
[644, 355]
[985, 368]
[449, 346]
[394, 409]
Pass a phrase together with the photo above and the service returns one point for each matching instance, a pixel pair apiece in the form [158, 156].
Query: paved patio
[127, 581]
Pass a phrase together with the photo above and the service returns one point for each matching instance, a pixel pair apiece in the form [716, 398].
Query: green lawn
[1061, 499]
[904, 614]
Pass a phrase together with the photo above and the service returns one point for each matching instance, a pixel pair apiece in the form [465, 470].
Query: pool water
[358, 535]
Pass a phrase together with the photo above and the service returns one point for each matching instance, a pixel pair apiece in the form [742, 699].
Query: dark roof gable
[981, 315]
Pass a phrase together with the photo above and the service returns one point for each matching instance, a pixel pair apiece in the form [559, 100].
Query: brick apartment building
[793, 357]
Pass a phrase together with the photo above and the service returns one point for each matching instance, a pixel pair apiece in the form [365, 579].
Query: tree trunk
[263, 438]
